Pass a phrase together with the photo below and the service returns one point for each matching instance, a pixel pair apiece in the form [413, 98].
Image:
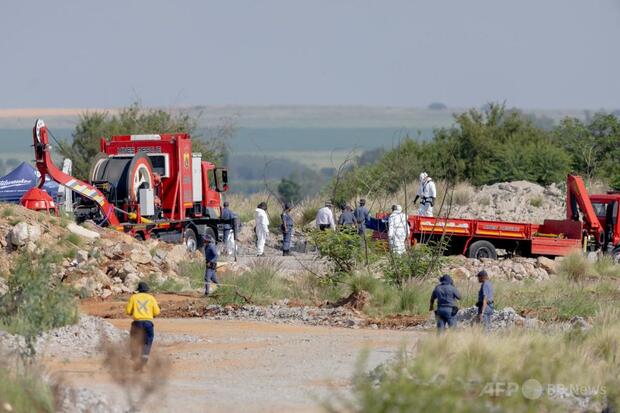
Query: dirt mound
[96, 261]
[519, 201]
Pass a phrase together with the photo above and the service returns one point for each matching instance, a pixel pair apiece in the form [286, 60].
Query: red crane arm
[577, 194]
[46, 166]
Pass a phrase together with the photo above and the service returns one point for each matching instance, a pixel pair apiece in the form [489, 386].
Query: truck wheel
[191, 240]
[615, 254]
[482, 249]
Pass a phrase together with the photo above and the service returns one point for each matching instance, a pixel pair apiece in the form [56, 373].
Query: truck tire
[615, 254]
[191, 239]
[482, 249]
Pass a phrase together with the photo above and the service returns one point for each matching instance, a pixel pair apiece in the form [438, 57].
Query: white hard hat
[423, 176]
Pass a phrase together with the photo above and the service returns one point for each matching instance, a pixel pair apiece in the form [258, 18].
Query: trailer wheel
[191, 240]
[482, 249]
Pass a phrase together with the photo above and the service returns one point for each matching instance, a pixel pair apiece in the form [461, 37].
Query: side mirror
[221, 179]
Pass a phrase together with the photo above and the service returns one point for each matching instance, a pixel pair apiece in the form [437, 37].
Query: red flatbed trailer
[591, 224]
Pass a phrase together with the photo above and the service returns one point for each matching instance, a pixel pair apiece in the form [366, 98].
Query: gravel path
[239, 366]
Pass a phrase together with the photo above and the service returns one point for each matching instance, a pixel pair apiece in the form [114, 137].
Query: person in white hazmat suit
[398, 230]
[428, 193]
[262, 228]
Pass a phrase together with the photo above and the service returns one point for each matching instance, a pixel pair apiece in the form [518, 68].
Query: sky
[535, 54]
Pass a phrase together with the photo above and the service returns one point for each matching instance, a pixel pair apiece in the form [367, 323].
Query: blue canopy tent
[15, 184]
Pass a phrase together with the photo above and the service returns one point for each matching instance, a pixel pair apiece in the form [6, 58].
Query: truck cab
[606, 209]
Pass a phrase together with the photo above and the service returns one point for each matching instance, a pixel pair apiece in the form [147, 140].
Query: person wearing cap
[325, 217]
[287, 229]
[361, 216]
[210, 263]
[347, 219]
[446, 295]
[428, 193]
[485, 300]
[229, 236]
[398, 230]
[143, 308]
[262, 228]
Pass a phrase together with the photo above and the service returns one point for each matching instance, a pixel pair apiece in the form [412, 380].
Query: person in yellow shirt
[143, 308]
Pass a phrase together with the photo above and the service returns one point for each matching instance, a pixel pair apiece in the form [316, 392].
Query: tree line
[496, 144]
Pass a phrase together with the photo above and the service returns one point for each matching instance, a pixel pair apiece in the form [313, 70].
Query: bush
[462, 372]
[33, 304]
[463, 194]
[575, 267]
[421, 261]
[536, 201]
[342, 249]
[24, 393]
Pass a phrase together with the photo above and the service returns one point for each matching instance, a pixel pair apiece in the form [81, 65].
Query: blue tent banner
[17, 182]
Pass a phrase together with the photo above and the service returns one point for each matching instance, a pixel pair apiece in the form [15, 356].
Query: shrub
[536, 201]
[463, 194]
[421, 261]
[575, 267]
[7, 212]
[606, 267]
[462, 372]
[24, 393]
[33, 304]
[74, 239]
[342, 249]
[167, 285]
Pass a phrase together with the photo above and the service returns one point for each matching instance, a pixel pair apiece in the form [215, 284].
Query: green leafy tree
[135, 119]
[289, 190]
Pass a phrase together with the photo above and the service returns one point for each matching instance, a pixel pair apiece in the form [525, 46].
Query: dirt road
[248, 367]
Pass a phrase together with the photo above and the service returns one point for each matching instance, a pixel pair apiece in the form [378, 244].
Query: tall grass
[466, 372]
[23, 393]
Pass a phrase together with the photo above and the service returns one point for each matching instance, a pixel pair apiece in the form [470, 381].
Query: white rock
[81, 256]
[131, 281]
[22, 233]
[140, 257]
[82, 232]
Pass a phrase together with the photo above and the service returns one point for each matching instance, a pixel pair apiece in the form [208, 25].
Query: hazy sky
[531, 53]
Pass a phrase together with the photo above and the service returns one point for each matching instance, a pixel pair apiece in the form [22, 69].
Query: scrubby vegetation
[24, 393]
[516, 371]
[35, 302]
[494, 145]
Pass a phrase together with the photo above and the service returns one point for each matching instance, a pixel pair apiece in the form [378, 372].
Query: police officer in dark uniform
[211, 263]
[485, 300]
[287, 229]
[446, 295]
[361, 216]
[347, 218]
[229, 241]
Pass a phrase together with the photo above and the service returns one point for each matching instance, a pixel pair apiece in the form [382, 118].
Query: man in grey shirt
[446, 295]
[485, 300]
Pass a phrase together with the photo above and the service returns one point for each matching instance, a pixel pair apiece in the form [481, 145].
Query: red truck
[144, 185]
[591, 224]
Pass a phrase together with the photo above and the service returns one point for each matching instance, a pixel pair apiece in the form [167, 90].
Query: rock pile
[505, 318]
[282, 313]
[519, 201]
[513, 269]
[96, 261]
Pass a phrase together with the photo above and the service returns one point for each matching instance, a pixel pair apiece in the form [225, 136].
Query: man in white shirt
[262, 228]
[428, 193]
[325, 217]
[398, 230]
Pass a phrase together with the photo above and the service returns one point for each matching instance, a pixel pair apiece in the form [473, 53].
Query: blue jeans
[486, 317]
[210, 276]
[141, 337]
[444, 318]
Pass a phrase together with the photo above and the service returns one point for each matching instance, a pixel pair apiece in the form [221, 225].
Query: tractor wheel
[191, 239]
[482, 249]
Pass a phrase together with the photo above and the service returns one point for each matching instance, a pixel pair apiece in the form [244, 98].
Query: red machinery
[145, 185]
[599, 229]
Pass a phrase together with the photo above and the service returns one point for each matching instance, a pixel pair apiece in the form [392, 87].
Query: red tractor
[149, 186]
